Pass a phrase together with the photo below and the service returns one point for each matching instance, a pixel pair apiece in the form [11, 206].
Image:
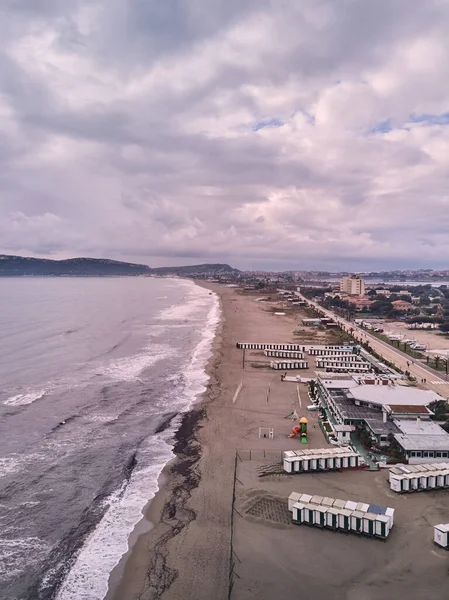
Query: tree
[394, 448]
[440, 409]
[446, 364]
[444, 326]
[382, 307]
[364, 436]
[312, 387]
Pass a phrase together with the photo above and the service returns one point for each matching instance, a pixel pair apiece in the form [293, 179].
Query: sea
[95, 375]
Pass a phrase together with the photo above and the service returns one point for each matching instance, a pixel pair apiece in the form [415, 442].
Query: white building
[387, 410]
[353, 285]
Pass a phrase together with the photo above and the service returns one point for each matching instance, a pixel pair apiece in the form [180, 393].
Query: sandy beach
[187, 555]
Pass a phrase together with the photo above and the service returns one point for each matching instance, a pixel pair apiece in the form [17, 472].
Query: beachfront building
[386, 412]
[353, 285]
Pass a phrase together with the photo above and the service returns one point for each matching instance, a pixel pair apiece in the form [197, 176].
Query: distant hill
[205, 269]
[14, 266]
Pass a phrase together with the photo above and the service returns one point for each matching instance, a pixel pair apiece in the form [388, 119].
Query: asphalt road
[435, 381]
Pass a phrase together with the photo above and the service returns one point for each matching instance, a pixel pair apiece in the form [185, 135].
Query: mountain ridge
[22, 266]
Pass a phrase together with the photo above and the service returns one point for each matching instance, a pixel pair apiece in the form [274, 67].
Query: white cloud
[133, 129]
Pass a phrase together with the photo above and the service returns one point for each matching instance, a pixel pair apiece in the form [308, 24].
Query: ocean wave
[104, 547]
[10, 464]
[130, 368]
[185, 309]
[195, 374]
[23, 399]
[14, 552]
[14, 463]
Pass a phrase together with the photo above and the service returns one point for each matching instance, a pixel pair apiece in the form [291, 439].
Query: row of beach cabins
[345, 516]
[315, 350]
[416, 478]
[335, 366]
[360, 518]
[339, 359]
[321, 459]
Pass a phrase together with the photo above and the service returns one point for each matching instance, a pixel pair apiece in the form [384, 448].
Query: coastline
[187, 553]
[142, 572]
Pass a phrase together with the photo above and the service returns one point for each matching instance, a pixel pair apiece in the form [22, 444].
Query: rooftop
[415, 409]
[420, 442]
[344, 427]
[379, 427]
[420, 427]
[396, 395]
[339, 384]
[348, 410]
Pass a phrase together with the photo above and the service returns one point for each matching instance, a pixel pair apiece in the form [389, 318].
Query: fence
[232, 573]
[261, 455]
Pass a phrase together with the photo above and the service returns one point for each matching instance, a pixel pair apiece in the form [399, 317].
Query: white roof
[442, 527]
[419, 427]
[386, 394]
[339, 383]
[344, 427]
[418, 442]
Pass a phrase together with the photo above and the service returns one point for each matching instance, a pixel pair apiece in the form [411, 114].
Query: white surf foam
[23, 399]
[103, 549]
[194, 298]
[195, 373]
[130, 368]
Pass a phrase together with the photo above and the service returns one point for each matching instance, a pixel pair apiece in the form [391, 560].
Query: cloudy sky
[264, 133]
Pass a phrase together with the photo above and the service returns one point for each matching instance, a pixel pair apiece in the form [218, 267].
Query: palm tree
[437, 361]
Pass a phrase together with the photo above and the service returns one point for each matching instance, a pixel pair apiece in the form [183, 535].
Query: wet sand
[187, 555]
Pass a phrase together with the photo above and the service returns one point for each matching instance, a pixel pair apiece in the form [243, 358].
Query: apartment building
[353, 285]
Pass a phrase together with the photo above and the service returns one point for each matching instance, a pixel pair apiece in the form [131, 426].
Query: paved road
[434, 380]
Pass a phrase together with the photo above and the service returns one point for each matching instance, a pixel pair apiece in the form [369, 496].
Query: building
[402, 305]
[385, 411]
[361, 302]
[422, 440]
[353, 285]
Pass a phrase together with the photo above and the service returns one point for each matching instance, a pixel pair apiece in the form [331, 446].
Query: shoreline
[186, 555]
[175, 483]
